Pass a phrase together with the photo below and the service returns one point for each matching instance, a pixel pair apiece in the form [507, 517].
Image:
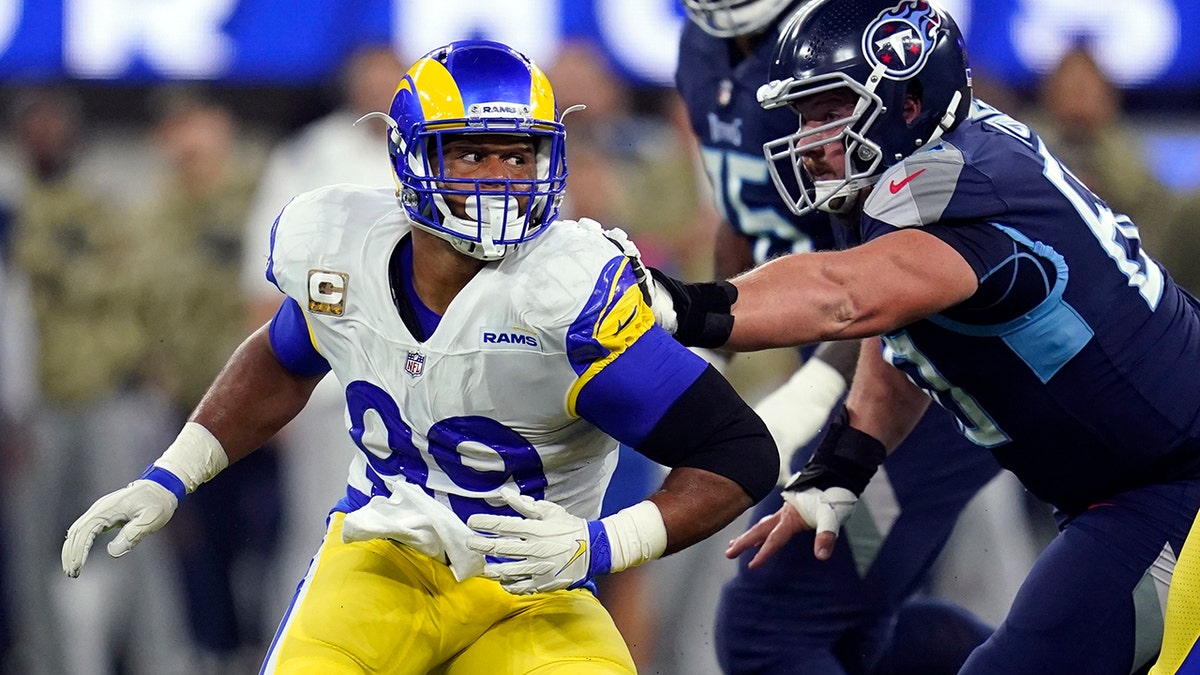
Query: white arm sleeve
[795, 412]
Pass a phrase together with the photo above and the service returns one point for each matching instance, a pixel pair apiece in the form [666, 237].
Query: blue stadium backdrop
[1143, 44]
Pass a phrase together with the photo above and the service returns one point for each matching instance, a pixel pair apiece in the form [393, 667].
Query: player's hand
[655, 293]
[142, 507]
[822, 510]
[546, 550]
[410, 517]
[768, 535]
[823, 495]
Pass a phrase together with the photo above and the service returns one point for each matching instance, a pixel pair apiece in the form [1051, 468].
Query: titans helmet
[881, 51]
[731, 18]
[476, 87]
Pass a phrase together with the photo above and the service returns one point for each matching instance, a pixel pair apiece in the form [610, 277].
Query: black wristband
[702, 309]
[846, 458]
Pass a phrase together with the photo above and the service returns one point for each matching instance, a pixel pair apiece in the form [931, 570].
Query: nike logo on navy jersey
[896, 187]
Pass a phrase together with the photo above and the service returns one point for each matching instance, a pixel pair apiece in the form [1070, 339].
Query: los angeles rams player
[1180, 653]
[491, 357]
[1003, 289]
[795, 613]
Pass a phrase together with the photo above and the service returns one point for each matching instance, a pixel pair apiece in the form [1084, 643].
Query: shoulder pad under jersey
[916, 191]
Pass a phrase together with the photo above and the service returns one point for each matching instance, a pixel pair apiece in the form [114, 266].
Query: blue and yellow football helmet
[483, 87]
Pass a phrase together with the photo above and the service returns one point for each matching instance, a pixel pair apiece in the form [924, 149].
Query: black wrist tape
[846, 458]
[703, 310]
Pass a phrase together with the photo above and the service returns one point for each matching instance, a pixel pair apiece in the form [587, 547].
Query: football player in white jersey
[492, 358]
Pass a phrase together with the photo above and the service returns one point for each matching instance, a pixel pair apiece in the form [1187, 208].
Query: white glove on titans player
[146, 504]
[697, 314]
[549, 549]
[826, 491]
[824, 510]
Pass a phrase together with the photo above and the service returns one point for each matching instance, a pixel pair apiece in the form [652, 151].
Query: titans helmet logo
[901, 38]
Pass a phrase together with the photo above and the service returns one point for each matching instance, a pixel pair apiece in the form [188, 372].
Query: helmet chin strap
[831, 196]
[839, 196]
[496, 210]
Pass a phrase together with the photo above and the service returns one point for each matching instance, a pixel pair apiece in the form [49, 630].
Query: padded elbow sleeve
[710, 427]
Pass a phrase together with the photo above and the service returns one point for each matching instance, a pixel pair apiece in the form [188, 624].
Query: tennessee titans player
[1003, 289]
[796, 613]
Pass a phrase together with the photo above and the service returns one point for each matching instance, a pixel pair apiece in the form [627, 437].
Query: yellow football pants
[1182, 625]
[381, 607]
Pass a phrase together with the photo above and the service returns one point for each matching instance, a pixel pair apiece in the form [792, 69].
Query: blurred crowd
[125, 289]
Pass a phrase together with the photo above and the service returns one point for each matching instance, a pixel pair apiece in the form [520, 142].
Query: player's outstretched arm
[805, 298]
[251, 399]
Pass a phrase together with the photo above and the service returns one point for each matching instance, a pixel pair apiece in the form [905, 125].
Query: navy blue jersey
[788, 615]
[732, 128]
[1079, 371]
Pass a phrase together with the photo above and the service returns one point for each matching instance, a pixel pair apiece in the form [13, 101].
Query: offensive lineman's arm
[863, 291]
[882, 408]
[251, 399]
[805, 298]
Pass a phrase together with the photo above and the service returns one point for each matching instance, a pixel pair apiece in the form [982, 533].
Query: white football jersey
[489, 399]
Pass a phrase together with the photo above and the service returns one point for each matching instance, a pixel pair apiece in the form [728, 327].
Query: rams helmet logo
[499, 109]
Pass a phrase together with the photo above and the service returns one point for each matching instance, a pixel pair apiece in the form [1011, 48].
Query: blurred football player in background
[491, 358]
[1004, 289]
[225, 537]
[798, 614]
[93, 421]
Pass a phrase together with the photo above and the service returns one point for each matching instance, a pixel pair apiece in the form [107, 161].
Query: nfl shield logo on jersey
[415, 364]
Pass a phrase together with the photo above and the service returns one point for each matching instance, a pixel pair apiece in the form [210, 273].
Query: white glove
[146, 504]
[143, 507]
[663, 307]
[550, 549]
[546, 550]
[717, 359]
[796, 411]
[655, 294]
[412, 518]
[824, 510]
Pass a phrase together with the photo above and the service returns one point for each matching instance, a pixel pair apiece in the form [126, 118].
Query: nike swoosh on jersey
[895, 187]
[622, 324]
[578, 552]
